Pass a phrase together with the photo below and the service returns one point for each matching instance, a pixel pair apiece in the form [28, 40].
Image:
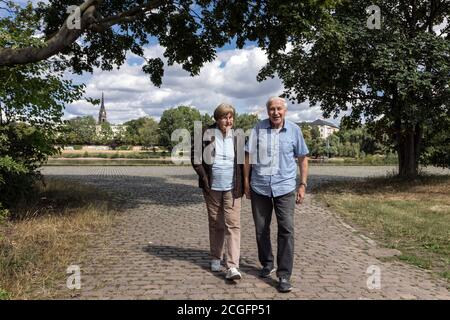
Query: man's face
[225, 123]
[276, 112]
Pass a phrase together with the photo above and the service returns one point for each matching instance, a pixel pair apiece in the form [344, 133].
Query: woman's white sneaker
[215, 265]
[233, 274]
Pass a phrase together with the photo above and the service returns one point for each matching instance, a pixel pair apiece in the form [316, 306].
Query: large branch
[126, 16]
[65, 36]
[62, 39]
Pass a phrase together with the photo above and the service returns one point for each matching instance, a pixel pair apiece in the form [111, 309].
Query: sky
[129, 93]
[230, 78]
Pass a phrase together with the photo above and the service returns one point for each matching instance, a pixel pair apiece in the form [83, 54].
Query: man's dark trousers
[262, 207]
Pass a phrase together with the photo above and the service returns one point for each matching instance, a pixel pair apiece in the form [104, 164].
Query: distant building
[102, 119]
[102, 112]
[326, 128]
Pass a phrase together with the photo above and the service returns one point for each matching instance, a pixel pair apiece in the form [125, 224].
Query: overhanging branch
[126, 16]
[66, 36]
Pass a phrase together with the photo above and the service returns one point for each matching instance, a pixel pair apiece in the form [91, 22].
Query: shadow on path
[202, 259]
[133, 191]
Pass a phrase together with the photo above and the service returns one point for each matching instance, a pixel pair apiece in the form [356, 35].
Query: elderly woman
[221, 178]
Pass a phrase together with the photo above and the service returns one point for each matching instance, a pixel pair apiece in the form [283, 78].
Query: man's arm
[247, 175]
[303, 166]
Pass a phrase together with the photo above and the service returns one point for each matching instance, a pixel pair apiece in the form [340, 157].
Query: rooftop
[319, 122]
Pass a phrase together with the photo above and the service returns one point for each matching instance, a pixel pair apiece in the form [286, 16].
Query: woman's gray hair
[271, 99]
[222, 110]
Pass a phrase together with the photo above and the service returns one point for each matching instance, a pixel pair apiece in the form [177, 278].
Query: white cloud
[231, 78]
[439, 28]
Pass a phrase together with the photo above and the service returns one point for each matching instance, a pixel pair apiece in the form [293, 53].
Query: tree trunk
[408, 140]
[408, 152]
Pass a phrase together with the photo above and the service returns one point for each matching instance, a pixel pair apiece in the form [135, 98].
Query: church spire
[102, 112]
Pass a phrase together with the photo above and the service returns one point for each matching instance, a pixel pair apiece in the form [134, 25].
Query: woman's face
[225, 123]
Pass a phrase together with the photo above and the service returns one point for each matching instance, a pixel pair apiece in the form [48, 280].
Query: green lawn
[412, 216]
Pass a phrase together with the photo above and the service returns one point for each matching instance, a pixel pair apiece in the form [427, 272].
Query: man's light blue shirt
[272, 155]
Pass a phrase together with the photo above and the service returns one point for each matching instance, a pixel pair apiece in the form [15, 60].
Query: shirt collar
[269, 125]
[228, 135]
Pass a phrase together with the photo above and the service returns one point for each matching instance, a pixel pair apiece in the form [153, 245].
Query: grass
[47, 233]
[111, 162]
[128, 157]
[368, 160]
[112, 154]
[411, 215]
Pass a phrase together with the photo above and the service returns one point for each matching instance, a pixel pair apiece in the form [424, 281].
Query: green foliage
[207, 120]
[396, 77]
[306, 132]
[4, 295]
[4, 214]
[79, 131]
[24, 148]
[352, 143]
[176, 25]
[245, 121]
[437, 144]
[104, 135]
[32, 99]
[124, 147]
[142, 131]
[188, 30]
[182, 117]
[131, 135]
[149, 133]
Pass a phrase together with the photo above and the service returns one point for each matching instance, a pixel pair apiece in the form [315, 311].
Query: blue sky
[231, 78]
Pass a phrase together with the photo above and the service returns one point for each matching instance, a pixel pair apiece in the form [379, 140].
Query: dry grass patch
[46, 234]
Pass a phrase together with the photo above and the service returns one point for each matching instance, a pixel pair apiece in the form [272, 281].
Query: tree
[245, 121]
[306, 132]
[80, 130]
[317, 144]
[396, 77]
[32, 99]
[437, 146]
[119, 137]
[104, 134]
[101, 32]
[132, 135]
[149, 133]
[332, 144]
[207, 120]
[182, 117]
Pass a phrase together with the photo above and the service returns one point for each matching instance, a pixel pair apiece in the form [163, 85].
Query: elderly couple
[270, 184]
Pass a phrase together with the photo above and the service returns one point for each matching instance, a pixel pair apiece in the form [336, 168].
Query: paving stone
[158, 247]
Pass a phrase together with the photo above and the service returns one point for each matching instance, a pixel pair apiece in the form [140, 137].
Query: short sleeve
[300, 147]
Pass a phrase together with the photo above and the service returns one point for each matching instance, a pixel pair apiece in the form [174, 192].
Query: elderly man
[273, 147]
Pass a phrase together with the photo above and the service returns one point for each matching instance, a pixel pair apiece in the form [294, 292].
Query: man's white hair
[274, 98]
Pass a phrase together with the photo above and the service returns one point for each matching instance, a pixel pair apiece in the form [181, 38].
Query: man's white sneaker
[233, 274]
[215, 265]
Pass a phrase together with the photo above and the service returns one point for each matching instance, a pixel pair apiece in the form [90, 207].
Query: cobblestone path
[158, 249]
